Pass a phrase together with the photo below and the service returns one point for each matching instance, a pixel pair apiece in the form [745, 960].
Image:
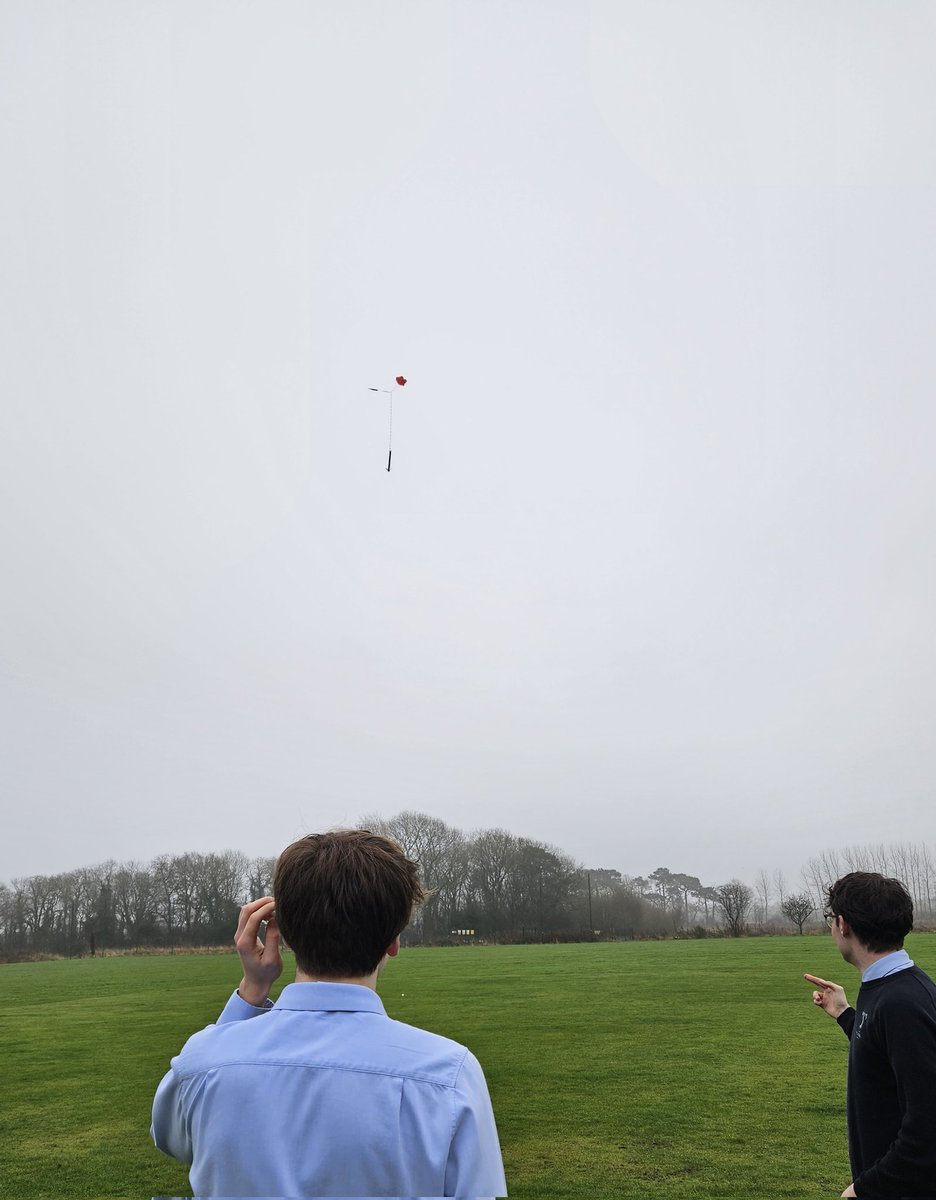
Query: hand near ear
[261, 960]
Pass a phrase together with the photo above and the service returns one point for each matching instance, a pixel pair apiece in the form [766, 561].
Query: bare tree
[439, 850]
[135, 900]
[926, 879]
[164, 873]
[220, 890]
[187, 883]
[818, 876]
[492, 854]
[734, 899]
[907, 861]
[15, 935]
[541, 881]
[764, 890]
[798, 909]
[260, 878]
[41, 900]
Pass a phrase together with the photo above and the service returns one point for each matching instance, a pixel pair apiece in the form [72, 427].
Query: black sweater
[892, 1085]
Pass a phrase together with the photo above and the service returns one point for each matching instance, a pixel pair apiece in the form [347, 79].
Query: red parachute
[400, 380]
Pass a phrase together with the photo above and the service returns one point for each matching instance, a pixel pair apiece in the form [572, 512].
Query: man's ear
[394, 948]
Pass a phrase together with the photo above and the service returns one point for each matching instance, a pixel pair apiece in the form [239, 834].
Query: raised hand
[828, 996]
[261, 960]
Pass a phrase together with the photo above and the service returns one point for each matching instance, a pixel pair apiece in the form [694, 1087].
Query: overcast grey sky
[653, 575]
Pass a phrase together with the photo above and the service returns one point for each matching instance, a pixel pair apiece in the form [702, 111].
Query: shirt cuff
[237, 1009]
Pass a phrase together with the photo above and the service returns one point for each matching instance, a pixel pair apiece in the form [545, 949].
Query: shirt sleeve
[909, 1166]
[169, 1128]
[475, 1167]
[847, 1021]
[237, 1009]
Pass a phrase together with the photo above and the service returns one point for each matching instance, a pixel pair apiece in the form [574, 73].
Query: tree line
[486, 885]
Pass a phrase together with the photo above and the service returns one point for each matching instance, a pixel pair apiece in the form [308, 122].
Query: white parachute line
[387, 392]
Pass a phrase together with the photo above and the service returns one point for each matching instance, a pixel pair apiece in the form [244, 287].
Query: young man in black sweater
[891, 1095]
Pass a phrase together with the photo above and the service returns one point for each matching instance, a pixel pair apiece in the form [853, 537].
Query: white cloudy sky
[653, 575]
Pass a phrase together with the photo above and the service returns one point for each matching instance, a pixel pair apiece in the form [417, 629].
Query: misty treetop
[501, 886]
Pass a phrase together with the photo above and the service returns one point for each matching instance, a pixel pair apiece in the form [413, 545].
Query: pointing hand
[830, 997]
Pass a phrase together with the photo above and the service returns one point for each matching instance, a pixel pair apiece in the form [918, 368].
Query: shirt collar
[330, 997]
[898, 961]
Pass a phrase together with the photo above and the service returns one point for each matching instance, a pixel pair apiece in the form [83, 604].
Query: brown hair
[879, 910]
[342, 898]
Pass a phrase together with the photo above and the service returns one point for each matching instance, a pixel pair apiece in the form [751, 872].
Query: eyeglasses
[830, 918]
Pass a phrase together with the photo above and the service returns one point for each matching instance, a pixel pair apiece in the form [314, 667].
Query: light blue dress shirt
[888, 965]
[323, 1094]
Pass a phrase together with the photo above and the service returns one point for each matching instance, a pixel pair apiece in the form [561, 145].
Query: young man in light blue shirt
[322, 1094]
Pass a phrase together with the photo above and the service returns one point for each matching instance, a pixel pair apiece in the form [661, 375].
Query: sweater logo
[861, 1023]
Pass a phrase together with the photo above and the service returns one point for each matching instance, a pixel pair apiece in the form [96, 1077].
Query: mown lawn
[636, 1069]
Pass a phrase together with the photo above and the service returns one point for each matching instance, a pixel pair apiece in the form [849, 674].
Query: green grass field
[635, 1069]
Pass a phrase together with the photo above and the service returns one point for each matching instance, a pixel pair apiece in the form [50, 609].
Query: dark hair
[341, 899]
[879, 910]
